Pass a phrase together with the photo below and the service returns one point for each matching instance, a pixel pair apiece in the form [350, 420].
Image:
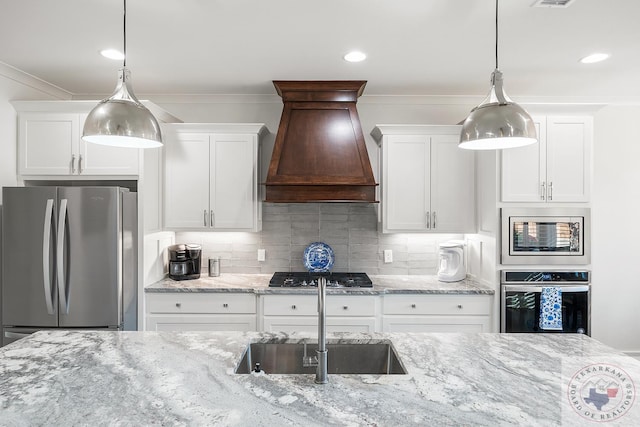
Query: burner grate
[334, 280]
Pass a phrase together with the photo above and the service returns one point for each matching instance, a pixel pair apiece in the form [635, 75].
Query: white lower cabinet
[295, 313]
[199, 311]
[436, 313]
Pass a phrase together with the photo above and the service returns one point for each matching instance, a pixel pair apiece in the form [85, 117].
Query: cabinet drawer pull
[205, 218]
[550, 190]
[433, 222]
[178, 304]
[460, 306]
[543, 190]
[428, 220]
[413, 306]
[293, 307]
[345, 307]
[225, 305]
[80, 163]
[212, 219]
[73, 163]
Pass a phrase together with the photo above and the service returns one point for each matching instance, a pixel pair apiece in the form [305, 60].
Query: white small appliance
[451, 266]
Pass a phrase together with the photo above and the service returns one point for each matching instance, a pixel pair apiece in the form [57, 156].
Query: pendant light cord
[124, 31]
[496, 33]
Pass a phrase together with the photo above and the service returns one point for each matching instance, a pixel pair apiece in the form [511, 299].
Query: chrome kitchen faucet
[320, 361]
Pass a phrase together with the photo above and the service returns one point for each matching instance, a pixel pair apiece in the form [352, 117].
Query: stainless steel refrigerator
[68, 258]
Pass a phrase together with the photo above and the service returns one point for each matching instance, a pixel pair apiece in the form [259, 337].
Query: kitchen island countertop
[187, 379]
[382, 284]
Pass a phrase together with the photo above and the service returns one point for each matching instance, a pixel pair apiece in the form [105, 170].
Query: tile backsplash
[351, 229]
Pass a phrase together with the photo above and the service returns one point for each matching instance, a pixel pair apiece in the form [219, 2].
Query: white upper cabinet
[556, 169]
[427, 182]
[52, 144]
[211, 179]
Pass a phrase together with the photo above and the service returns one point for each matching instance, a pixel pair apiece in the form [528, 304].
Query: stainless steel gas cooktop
[334, 280]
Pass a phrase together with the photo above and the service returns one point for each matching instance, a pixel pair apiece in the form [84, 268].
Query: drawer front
[201, 322]
[212, 303]
[436, 324]
[437, 304]
[307, 305]
[290, 305]
[352, 305]
[291, 324]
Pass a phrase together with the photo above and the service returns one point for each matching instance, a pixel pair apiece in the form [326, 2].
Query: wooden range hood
[320, 153]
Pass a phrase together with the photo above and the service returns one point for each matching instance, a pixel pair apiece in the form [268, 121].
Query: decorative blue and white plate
[318, 257]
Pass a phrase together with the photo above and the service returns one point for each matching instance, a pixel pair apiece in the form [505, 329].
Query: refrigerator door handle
[46, 249]
[63, 286]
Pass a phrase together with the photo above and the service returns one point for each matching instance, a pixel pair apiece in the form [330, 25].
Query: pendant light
[497, 122]
[121, 120]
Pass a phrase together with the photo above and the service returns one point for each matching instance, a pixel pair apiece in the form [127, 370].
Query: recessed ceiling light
[355, 56]
[112, 54]
[595, 57]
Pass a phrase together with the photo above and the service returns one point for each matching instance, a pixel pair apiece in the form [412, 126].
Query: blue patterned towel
[551, 309]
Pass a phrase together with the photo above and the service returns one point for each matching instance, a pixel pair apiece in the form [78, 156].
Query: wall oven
[545, 236]
[523, 304]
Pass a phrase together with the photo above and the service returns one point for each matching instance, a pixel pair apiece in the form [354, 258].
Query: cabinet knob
[293, 307]
[460, 306]
[225, 305]
[413, 306]
[178, 304]
[345, 307]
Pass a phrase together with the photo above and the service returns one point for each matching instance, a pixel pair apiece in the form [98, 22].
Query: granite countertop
[187, 379]
[259, 284]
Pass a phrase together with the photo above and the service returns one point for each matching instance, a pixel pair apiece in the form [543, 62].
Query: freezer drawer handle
[46, 252]
[15, 335]
[63, 286]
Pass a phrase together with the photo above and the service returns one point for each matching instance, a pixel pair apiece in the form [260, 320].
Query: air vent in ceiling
[552, 3]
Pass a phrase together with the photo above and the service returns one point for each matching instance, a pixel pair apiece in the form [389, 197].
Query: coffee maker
[184, 261]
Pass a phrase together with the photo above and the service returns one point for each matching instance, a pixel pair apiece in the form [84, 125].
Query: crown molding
[33, 82]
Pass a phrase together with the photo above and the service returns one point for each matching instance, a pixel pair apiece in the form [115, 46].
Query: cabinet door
[568, 159]
[187, 181]
[96, 159]
[436, 324]
[452, 186]
[406, 192]
[202, 322]
[233, 188]
[46, 143]
[524, 169]
[290, 324]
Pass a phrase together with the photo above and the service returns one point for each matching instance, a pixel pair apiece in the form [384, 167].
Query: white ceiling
[414, 47]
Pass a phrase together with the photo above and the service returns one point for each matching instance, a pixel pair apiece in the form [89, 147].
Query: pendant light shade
[121, 120]
[498, 122]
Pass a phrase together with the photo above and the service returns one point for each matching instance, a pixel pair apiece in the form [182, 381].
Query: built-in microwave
[546, 236]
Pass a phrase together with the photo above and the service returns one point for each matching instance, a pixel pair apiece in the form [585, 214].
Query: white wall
[615, 228]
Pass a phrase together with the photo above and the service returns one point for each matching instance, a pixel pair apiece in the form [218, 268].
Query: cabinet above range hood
[320, 153]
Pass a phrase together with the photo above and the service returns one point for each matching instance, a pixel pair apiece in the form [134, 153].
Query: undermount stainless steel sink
[378, 358]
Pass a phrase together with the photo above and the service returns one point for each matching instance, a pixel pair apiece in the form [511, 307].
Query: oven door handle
[529, 288]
